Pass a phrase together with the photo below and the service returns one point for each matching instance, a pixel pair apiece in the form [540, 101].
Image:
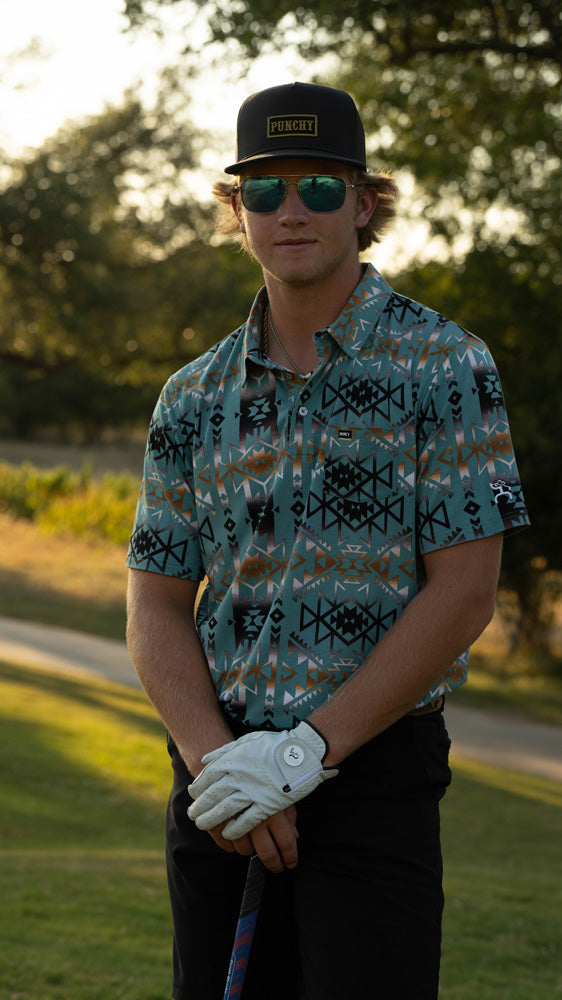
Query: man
[339, 470]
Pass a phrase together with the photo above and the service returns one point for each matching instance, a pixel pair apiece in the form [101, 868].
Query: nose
[292, 207]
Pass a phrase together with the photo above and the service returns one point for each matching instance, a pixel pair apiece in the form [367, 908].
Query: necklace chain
[268, 325]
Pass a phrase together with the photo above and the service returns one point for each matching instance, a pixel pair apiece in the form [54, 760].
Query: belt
[432, 706]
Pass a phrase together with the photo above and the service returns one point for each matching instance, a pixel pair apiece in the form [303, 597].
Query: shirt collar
[361, 312]
[253, 332]
[352, 327]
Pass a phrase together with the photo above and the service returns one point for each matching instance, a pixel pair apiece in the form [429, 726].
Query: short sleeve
[165, 536]
[468, 485]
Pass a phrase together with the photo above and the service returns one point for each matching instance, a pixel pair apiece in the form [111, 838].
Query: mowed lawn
[83, 785]
[84, 912]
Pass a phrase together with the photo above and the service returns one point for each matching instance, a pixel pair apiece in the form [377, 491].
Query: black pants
[360, 917]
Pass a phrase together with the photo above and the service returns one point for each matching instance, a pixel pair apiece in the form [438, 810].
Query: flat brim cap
[299, 120]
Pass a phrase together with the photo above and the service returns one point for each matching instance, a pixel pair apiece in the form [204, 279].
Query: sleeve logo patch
[500, 490]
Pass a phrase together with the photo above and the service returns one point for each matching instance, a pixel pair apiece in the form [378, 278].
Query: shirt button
[303, 410]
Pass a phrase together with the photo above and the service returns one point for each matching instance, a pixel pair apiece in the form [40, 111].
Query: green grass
[84, 912]
[84, 781]
[501, 843]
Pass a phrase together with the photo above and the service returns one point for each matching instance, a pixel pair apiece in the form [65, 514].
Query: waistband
[432, 706]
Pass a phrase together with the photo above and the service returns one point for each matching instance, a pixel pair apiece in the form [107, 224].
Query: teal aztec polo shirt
[308, 506]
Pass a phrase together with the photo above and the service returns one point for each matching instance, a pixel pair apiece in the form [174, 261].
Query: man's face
[295, 245]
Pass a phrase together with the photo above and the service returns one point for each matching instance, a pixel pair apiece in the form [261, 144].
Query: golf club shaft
[243, 938]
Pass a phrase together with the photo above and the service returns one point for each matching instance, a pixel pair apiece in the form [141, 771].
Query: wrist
[193, 753]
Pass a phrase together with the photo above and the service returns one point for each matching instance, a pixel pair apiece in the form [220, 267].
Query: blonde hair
[227, 222]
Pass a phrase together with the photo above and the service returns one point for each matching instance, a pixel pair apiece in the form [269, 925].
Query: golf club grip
[249, 909]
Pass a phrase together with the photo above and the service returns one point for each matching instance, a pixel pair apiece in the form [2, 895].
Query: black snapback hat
[299, 119]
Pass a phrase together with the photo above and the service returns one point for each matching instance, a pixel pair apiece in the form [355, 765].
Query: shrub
[64, 502]
[25, 490]
[97, 513]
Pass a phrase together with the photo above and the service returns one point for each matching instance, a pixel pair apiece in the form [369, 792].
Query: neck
[274, 346]
[297, 312]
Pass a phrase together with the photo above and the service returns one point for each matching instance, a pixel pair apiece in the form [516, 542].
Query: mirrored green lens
[262, 194]
[322, 194]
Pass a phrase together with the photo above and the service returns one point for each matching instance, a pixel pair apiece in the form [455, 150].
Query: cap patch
[279, 125]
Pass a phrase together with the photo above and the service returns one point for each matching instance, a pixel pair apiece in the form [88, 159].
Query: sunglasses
[318, 193]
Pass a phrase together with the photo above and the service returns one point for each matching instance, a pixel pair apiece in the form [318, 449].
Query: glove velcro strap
[305, 777]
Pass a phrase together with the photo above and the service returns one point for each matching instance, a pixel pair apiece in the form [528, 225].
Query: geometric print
[308, 506]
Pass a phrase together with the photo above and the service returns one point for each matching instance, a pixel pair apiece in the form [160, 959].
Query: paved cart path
[504, 739]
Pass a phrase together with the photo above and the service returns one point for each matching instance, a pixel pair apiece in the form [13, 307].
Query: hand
[252, 778]
[274, 840]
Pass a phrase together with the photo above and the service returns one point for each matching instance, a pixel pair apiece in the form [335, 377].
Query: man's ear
[236, 209]
[366, 204]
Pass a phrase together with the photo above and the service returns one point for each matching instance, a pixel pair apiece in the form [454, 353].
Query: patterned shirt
[308, 506]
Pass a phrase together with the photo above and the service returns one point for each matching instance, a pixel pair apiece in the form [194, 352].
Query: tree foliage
[106, 273]
[467, 97]
[432, 27]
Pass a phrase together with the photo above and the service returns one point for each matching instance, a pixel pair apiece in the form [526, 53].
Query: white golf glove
[257, 775]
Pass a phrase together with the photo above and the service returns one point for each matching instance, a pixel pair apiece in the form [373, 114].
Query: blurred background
[116, 117]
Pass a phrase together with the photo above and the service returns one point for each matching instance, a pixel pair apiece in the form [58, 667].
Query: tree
[531, 582]
[467, 97]
[102, 258]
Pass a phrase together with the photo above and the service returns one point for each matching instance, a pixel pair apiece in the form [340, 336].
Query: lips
[295, 243]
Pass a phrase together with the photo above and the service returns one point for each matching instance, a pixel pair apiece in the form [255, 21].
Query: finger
[275, 843]
[242, 824]
[291, 814]
[283, 835]
[242, 845]
[206, 779]
[207, 812]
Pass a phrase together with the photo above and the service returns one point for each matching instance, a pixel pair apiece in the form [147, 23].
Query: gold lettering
[287, 124]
